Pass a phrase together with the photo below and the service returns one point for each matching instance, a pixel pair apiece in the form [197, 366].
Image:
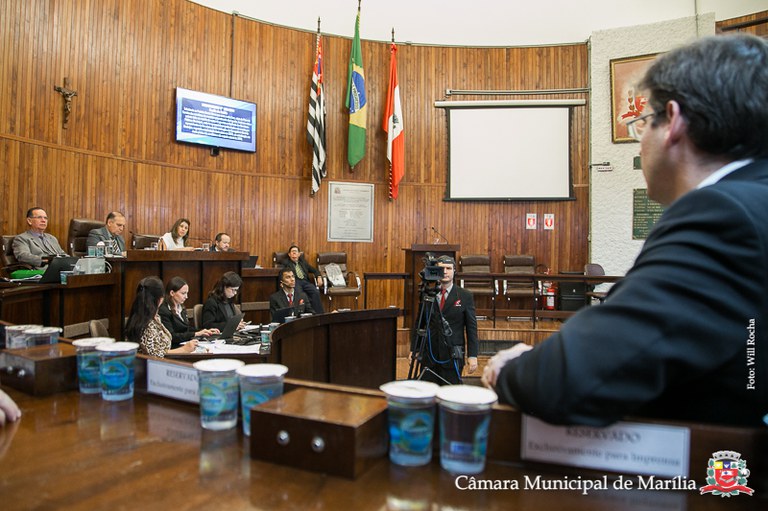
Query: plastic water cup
[219, 392]
[259, 383]
[265, 336]
[91, 251]
[411, 419]
[89, 363]
[15, 337]
[206, 247]
[117, 370]
[41, 335]
[465, 418]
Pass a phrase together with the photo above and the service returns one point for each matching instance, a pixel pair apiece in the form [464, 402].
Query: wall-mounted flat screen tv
[215, 121]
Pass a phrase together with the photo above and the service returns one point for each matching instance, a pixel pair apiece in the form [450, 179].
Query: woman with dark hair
[174, 316]
[144, 325]
[220, 305]
[177, 238]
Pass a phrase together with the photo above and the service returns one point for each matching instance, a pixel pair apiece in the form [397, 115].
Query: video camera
[431, 272]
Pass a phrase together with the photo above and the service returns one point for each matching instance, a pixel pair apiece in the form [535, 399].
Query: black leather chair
[8, 262]
[279, 259]
[79, 228]
[142, 241]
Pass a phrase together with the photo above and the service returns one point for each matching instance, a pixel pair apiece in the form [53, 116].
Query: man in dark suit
[289, 295]
[443, 352]
[36, 247]
[308, 278]
[111, 234]
[683, 336]
[221, 243]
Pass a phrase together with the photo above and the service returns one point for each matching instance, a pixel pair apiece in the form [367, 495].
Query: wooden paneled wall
[126, 57]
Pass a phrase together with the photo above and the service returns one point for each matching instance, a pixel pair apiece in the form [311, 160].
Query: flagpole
[389, 194]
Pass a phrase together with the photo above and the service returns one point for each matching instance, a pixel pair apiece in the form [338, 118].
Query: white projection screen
[509, 153]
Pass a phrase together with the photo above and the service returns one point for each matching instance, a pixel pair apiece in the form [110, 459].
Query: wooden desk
[258, 285]
[22, 304]
[345, 348]
[383, 276]
[72, 451]
[82, 298]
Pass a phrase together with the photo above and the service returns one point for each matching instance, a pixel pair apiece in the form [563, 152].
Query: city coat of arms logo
[726, 475]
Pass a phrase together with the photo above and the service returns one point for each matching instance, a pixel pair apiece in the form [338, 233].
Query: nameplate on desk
[172, 380]
[625, 447]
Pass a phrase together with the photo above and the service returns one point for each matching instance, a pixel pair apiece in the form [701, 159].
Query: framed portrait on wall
[626, 102]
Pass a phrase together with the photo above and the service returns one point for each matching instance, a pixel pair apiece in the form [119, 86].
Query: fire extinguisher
[546, 289]
[549, 296]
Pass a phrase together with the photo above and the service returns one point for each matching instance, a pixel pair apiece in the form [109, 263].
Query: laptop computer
[252, 260]
[296, 310]
[57, 265]
[280, 314]
[229, 329]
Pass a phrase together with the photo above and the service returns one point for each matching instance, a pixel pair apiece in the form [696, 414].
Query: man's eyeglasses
[39, 217]
[636, 127]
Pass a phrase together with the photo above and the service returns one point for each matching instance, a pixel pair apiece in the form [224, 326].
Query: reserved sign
[172, 380]
[626, 447]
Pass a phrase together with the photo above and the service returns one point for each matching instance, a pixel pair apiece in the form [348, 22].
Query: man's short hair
[31, 211]
[446, 259]
[283, 271]
[721, 85]
[219, 235]
[114, 214]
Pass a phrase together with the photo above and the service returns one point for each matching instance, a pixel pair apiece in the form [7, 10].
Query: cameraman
[444, 350]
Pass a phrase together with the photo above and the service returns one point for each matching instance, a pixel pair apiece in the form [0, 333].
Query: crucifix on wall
[67, 94]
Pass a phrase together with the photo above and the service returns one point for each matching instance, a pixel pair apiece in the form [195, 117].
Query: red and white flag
[393, 125]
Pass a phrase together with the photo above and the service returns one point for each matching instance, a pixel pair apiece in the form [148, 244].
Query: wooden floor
[492, 339]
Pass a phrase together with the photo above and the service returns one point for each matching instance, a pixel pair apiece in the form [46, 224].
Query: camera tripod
[421, 345]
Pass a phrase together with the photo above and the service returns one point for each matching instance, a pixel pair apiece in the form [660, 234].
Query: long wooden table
[72, 451]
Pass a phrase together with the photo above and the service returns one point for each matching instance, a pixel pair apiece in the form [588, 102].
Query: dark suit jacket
[676, 337]
[459, 312]
[279, 300]
[30, 249]
[103, 234]
[305, 266]
[216, 313]
[181, 328]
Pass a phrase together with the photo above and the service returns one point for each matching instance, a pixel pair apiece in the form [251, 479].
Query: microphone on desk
[441, 235]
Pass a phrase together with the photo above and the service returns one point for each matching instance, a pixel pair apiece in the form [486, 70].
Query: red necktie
[442, 299]
[290, 298]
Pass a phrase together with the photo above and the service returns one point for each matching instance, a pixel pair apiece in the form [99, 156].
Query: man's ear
[677, 125]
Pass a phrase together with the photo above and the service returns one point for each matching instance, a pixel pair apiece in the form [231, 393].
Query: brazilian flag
[356, 100]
